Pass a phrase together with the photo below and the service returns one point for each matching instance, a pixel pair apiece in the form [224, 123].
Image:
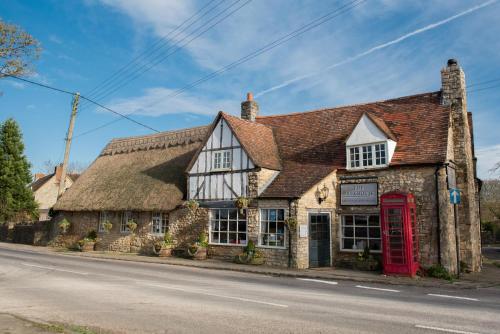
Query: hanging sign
[359, 194]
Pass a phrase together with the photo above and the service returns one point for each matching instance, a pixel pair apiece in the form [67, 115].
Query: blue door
[319, 240]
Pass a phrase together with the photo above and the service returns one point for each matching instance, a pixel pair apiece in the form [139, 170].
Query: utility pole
[69, 137]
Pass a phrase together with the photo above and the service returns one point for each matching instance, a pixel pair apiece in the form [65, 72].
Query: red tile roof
[311, 144]
[257, 140]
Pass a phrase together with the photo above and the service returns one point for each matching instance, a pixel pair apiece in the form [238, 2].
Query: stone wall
[421, 182]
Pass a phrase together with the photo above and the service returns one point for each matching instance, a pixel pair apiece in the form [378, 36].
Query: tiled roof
[311, 144]
[257, 140]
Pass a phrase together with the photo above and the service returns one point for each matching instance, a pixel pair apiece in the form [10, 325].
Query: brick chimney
[249, 108]
[58, 172]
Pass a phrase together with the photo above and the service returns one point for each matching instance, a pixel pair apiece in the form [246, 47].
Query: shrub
[203, 240]
[132, 225]
[167, 239]
[438, 271]
[92, 235]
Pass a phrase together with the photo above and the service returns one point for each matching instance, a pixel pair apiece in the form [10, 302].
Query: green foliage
[250, 247]
[132, 225]
[203, 240]
[241, 203]
[17, 50]
[64, 225]
[168, 240]
[107, 225]
[438, 271]
[291, 222]
[17, 201]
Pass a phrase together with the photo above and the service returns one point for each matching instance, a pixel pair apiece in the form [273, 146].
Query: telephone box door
[398, 225]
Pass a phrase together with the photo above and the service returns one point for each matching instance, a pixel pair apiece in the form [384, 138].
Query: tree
[18, 50]
[16, 198]
[74, 167]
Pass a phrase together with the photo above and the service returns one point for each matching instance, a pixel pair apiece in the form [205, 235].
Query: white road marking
[379, 289]
[200, 292]
[56, 269]
[317, 281]
[447, 330]
[454, 297]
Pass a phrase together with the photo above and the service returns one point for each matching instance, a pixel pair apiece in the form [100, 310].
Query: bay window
[272, 228]
[360, 231]
[228, 227]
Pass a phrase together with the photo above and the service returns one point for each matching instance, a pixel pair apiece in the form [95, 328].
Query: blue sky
[84, 42]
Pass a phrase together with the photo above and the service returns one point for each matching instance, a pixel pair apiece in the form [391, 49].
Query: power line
[160, 58]
[40, 84]
[81, 96]
[482, 83]
[157, 45]
[485, 88]
[313, 24]
[117, 113]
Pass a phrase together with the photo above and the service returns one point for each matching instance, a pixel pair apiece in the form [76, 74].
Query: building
[46, 188]
[328, 169]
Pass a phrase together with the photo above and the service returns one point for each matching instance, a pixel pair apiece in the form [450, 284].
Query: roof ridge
[159, 134]
[296, 113]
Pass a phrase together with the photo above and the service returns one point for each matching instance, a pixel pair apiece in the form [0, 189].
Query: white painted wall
[206, 186]
[365, 132]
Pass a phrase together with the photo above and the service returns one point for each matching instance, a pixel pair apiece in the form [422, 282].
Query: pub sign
[359, 194]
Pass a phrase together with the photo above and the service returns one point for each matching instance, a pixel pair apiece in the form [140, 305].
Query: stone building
[326, 170]
[46, 188]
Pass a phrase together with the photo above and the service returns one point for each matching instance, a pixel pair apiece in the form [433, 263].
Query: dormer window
[366, 156]
[222, 160]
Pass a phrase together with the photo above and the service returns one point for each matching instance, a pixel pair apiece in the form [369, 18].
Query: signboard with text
[359, 194]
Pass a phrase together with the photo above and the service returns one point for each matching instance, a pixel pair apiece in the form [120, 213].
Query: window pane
[232, 226]
[242, 226]
[373, 221]
[233, 214]
[348, 220]
[281, 214]
[232, 231]
[361, 232]
[223, 238]
[224, 214]
[223, 225]
[232, 238]
[375, 244]
[360, 220]
[348, 232]
[348, 243]
[374, 232]
[215, 237]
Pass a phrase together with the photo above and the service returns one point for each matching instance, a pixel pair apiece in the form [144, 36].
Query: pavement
[119, 296]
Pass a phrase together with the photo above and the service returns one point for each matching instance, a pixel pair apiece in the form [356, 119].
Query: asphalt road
[132, 297]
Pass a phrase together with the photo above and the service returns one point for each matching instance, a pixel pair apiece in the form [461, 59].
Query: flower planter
[367, 265]
[165, 252]
[88, 246]
[197, 252]
[257, 261]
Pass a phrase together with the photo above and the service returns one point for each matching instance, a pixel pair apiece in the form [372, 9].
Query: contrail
[376, 48]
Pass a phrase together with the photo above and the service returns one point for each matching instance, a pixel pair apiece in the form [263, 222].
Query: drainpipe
[438, 213]
[289, 235]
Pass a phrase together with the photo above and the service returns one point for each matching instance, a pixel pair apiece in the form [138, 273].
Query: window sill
[360, 251]
[231, 245]
[272, 247]
[357, 169]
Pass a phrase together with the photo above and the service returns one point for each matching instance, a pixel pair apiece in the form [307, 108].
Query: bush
[92, 235]
[438, 271]
[64, 225]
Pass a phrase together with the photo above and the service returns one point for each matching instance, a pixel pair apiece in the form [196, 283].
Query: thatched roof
[139, 173]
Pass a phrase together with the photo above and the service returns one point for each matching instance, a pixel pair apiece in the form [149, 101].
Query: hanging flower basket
[132, 225]
[291, 222]
[107, 226]
[241, 203]
[64, 225]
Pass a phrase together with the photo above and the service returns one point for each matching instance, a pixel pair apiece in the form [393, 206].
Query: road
[129, 297]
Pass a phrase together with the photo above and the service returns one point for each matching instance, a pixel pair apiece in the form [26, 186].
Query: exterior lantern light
[322, 194]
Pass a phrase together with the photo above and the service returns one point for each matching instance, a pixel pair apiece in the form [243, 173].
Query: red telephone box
[399, 233]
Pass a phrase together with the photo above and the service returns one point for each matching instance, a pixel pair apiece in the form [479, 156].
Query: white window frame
[162, 220]
[367, 238]
[219, 231]
[222, 160]
[361, 151]
[267, 221]
[126, 216]
[103, 216]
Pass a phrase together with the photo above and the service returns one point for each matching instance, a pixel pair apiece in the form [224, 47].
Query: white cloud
[159, 101]
[487, 158]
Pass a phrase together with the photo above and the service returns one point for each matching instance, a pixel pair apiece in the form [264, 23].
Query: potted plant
[87, 244]
[64, 225]
[166, 246]
[291, 223]
[241, 203]
[198, 250]
[250, 255]
[366, 261]
[107, 226]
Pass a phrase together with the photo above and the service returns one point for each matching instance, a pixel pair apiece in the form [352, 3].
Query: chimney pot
[249, 96]
[452, 62]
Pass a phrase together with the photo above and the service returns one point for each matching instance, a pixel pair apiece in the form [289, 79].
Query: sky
[141, 57]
